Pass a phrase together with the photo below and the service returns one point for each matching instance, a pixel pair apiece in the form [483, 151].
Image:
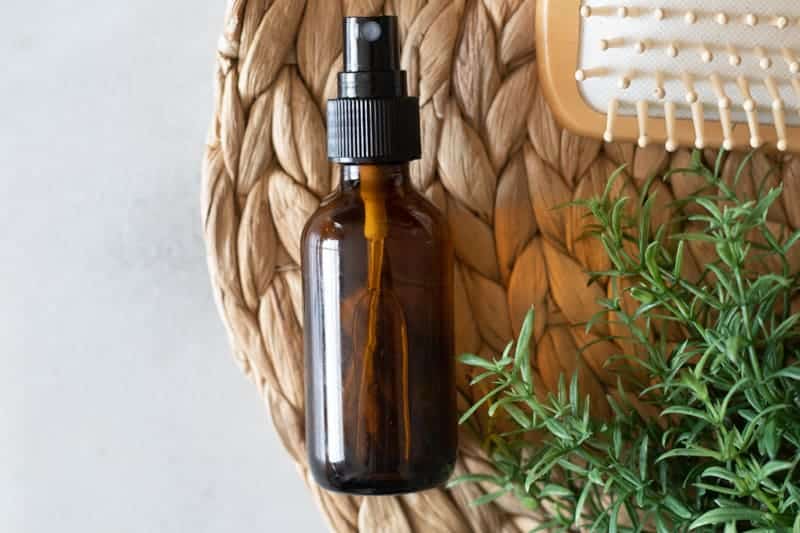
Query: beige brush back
[494, 160]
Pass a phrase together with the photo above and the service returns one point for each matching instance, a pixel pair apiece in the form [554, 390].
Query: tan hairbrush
[679, 72]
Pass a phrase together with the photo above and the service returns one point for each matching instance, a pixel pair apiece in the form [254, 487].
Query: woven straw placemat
[494, 160]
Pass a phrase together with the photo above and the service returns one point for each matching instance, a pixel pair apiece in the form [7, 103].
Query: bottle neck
[394, 176]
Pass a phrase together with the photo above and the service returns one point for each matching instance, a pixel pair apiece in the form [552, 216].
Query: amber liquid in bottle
[378, 289]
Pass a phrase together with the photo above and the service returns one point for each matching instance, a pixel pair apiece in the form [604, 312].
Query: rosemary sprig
[724, 452]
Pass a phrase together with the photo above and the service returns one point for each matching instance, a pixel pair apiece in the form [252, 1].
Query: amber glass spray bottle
[378, 291]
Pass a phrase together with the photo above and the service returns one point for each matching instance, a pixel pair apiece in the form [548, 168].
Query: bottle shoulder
[342, 214]
[334, 210]
[427, 214]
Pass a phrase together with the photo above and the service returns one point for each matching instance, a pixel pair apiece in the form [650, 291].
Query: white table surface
[121, 408]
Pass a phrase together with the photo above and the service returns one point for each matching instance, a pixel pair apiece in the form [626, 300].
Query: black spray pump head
[371, 59]
[370, 43]
[373, 120]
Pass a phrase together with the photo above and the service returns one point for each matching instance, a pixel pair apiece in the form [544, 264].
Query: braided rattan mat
[494, 160]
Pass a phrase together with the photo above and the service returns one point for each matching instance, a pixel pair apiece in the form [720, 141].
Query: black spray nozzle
[370, 44]
[371, 59]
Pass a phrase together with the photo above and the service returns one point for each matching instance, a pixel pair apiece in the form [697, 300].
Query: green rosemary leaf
[676, 506]
[661, 527]
[687, 411]
[542, 468]
[693, 236]
[581, 503]
[792, 372]
[550, 525]
[480, 377]
[651, 260]
[690, 452]
[717, 488]
[570, 466]
[773, 467]
[616, 436]
[719, 472]
[697, 161]
[721, 155]
[633, 516]
[505, 359]
[610, 184]
[727, 514]
[617, 213]
[477, 360]
[644, 449]
[474, 478]
[613, 517]
[574, 396]
[742, 168]
[469, 412]
[522, 356]
[518, 415]
[561, 392]
[555, 491]
[678, 265]
[488, 497]
[790, 242]
[770, 437]
[558, 430]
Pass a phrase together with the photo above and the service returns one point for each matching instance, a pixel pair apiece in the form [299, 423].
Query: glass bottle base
[382, 484]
